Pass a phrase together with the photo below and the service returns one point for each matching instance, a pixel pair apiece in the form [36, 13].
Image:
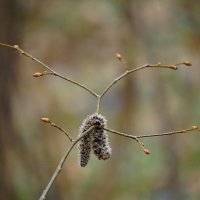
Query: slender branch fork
[74, 142]
[61, 163]
[98, 97]
[52, 72]
[137, 137]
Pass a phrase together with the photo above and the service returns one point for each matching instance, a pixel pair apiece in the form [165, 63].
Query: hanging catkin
[96, 139]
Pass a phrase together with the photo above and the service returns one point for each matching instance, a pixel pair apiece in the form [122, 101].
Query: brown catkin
[100, 143]
[96, 139]
[84, 145]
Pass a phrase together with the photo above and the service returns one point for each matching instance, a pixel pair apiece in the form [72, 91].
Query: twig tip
[118, 56]
[16, 46]
[187, 63]
[45, 119]
[37, 74]
[146, 151]
[195, 127]
[174, 67]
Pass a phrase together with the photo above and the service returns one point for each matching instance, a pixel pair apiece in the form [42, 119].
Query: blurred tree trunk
[9, 33]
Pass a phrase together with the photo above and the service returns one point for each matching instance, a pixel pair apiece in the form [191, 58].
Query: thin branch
[193, 128]
[120, 133]
[47, 120]
[120, 77]
[146, 151]
[127, 72]
[60, 165]
[48, 68]
[121, 59]
[98, 104]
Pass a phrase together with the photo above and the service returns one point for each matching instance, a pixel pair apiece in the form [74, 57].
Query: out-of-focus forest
[79, 39]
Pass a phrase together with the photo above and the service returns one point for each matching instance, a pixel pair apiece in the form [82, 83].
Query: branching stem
[60, 165]
[193, 128]
[98, 97]
[48, 68]
[137, 138]
[127, 72]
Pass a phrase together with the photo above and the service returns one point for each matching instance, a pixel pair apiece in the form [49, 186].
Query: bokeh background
[79, 39]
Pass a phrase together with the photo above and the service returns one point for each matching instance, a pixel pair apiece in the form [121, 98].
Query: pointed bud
[46, 120]
[16, 46]
[146, 151]
[187, 63]
[38, 74]
[174, 67]
[119, 57]
[195, 127]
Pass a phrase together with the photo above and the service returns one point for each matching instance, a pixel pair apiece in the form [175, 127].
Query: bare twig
[193, 128]
[48, 68]
[61, 163]
[98, 97]
[136, 138]
[47, 120]
[121, 59]
[127, 72]
[98, 104]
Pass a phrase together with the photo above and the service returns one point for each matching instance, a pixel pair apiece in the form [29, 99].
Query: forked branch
[98, 97]
[61, 163]
[136, 138]
[127, 71]
[48, 68]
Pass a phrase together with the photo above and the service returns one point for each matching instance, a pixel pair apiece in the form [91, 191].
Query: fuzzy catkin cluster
[96, 140]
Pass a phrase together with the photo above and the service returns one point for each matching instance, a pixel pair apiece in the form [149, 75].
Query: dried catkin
[96, 139]
[100, 143]
[84, 145]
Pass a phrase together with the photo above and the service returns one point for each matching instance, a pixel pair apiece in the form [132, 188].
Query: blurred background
[79, 39]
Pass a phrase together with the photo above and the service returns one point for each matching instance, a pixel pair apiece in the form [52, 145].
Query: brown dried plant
[94, 125]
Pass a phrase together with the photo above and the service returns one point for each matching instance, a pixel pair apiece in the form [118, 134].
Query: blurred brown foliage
[79, 39]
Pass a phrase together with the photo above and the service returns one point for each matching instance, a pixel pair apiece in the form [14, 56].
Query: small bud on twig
[119, 57]
[16, 46]
[146, 151]
[38, 74]
[46, 120]
[174, 67]
[195, 127]
[187, 63]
